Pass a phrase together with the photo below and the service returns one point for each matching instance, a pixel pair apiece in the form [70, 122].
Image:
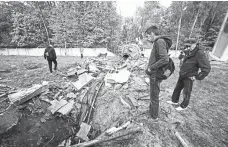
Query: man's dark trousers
[154, 96]
[50, 64]
[186, 84]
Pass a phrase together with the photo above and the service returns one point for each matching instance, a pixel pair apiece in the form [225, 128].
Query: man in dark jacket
[50, 55]
[158, 58]
[194, 60]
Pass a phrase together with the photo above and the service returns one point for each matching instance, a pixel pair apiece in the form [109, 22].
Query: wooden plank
[94, 99]
[101, 140]
[25, 95]
[181, 139]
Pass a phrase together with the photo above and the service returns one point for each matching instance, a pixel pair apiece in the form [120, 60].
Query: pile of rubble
[104, 99]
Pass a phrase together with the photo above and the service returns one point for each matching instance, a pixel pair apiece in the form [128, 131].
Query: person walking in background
[158, 58]
[50, 55]
[193, 60]
[81, 51]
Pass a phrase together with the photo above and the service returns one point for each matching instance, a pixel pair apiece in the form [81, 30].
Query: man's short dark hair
[153, 29]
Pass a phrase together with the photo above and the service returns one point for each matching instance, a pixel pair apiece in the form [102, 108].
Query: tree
[28, 30]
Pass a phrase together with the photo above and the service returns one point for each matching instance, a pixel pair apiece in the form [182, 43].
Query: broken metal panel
[121, 77]
[65, 110]
[131, 50]
[84, 130]
[56, 105]
[84, 79]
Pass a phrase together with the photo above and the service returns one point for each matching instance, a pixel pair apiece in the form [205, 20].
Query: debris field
[104, 102]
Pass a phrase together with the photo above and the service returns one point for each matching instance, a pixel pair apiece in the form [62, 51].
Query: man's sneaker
[172, 103]
[155, 120]
[180, 109]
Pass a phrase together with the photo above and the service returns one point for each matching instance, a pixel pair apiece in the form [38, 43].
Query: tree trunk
[194, 23]
[178, 34]
[42, 18]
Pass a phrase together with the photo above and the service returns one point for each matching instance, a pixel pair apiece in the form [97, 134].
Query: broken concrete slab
[84, 79]
[65, 110]
[84, 130]
[56, 105]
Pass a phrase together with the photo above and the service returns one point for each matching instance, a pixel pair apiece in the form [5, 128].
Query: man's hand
[148, 71]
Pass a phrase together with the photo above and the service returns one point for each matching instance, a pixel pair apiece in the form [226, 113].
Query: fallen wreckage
[102, 98]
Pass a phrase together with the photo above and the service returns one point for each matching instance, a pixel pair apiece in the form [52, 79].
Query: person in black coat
[50, 55]
[158, 58]
[193, 60]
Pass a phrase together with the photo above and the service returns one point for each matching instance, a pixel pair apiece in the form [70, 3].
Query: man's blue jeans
[154, 96]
